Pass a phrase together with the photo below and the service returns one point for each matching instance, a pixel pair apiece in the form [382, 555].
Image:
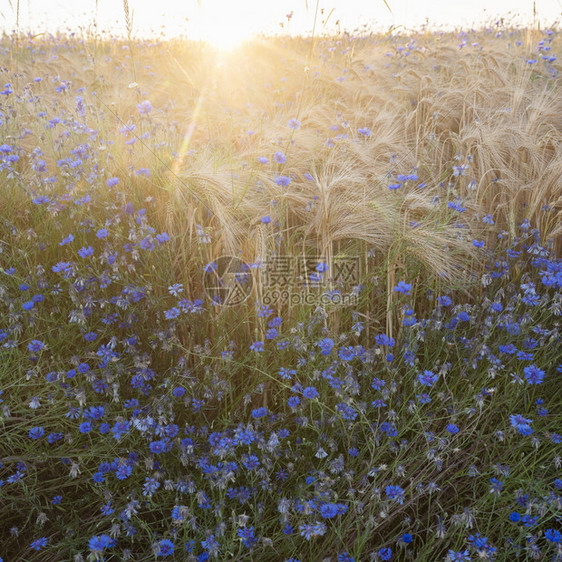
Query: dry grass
[482, 101]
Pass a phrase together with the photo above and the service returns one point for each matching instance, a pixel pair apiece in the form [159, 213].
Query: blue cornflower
[407, 538]
[175, 289]
[531, 298]
[265, 311]
[144, 107]
[553, 536]
[85, 427]
[38, 544]
[364, 131]
[385, 553]
[257, 346]
[428, 378]
[452, 428]
[35, 346]
[172, 313]
[347, 412]
[160, 446]
[282, 181]
[275, 322]
[94, 412]
[85, 252]
[146, 244]
[459, 170]
[288, 530]
[107, 509]
[310, 392]
[286, 373]
[377, 383]
[456, 206]
[259, 412]
[346, 353]
[326, 345]
[515, 517]
[265, 220]
[97, 544]
[124, 471]
[67, 240]
[463, 316]
[521, 424]
[165, 547]
[271, 334]
[251, 462]
[391, 431]
[509, 349]
[533, 374]
[529, 521]
[36, 432]
[395, 493]
[119, 429]
[460, 556]
[312, 530]
[293, 401]
[383, 339]
[211, 544]
[98, 477]
[294, 124]
[280, 158]
[247, 536]
[496, 486]
[150, 486]
[54, 437]
[409, 320]
[112, 182]
[403, 287]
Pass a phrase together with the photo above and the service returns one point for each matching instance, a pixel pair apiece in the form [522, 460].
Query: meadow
[300, 301]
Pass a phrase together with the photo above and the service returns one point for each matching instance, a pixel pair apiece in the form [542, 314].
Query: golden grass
[484, 102]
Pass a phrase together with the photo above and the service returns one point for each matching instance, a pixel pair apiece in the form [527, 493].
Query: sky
[229, 21]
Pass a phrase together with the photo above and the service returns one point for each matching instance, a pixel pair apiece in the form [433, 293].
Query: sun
[225, 38]
[222, 25]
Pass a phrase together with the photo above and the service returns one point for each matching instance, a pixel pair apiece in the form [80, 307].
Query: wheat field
[145, 415]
